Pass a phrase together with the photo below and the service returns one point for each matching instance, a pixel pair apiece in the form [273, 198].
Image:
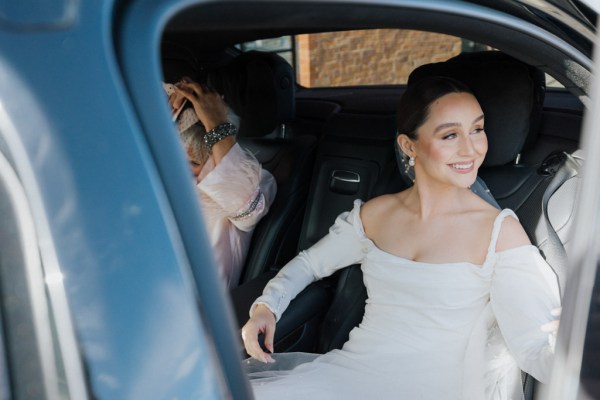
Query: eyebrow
[453, 124]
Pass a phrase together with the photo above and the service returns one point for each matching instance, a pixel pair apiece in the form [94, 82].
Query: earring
[408, 164]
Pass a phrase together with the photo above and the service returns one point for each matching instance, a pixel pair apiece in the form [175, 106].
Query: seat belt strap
[555, 253]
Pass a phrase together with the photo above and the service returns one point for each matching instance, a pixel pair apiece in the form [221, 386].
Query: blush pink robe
[235, 195]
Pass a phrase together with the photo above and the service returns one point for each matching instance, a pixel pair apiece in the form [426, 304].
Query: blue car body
[124, 302]
[105, 207]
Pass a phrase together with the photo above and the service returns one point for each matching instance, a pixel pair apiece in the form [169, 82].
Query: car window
[364, 57]
[285, 46]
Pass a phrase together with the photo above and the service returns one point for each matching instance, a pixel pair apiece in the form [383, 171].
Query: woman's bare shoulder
[379, 204]
[372, 212]
[511, 235]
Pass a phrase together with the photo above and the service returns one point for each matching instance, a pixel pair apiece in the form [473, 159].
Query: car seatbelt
[554, 251]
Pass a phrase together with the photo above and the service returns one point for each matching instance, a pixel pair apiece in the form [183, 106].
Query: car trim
[44, 269]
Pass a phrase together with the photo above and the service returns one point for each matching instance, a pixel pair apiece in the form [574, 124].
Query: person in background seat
[235, 191]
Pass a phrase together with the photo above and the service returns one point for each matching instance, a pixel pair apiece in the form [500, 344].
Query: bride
[459, 300]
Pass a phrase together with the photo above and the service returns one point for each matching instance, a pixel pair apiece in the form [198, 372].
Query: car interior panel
[262, 89]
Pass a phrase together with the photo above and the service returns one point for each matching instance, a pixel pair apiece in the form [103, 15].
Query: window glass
[365, 57]
[362, 57]
[284, 46]
[368, 57]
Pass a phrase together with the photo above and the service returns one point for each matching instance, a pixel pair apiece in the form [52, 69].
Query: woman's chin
[466, 181]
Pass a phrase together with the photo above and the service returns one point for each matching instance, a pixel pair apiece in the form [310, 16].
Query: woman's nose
[467, 146]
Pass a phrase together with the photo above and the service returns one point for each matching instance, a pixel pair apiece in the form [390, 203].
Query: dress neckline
[491, 252]
[425, 263]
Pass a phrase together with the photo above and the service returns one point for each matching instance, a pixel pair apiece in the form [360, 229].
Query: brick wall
[368, 57]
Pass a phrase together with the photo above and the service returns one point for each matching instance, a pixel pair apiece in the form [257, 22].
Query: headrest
[361, 126]
[260, 88]
[511, 95]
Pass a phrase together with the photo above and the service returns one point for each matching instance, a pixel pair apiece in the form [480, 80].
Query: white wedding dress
[430, 331]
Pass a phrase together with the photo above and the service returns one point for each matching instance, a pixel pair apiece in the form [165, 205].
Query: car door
[576, 373]
[98, 296]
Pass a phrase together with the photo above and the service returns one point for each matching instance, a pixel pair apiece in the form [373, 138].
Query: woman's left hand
[552, 326]
[208, 104]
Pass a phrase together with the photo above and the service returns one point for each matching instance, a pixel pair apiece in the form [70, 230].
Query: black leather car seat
[260, 88]
[355, 160]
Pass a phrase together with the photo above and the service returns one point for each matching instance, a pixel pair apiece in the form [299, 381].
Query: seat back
[355, 160]
[274, 240]
[260, 88]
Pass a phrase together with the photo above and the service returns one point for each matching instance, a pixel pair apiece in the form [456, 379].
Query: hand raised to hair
[176, 100]
[208, 104]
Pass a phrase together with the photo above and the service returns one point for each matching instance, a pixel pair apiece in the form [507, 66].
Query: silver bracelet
[219, 133]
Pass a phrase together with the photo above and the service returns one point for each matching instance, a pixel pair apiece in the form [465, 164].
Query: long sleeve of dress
[239, 188]
[523, 292]
[344, 245]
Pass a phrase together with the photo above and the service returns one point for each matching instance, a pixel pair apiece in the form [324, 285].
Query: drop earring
[408, 164]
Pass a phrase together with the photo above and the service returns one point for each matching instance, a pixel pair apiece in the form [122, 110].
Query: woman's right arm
[344, 245]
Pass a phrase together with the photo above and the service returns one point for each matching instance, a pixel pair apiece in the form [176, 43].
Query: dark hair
[178, 62]
[416, 101]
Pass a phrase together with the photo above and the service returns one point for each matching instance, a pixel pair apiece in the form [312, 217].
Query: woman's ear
[406, 145]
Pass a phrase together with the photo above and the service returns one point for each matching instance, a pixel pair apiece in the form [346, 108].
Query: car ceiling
[208, 28]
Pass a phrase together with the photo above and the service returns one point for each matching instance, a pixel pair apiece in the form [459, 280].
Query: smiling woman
[441, 310]
[442, 131]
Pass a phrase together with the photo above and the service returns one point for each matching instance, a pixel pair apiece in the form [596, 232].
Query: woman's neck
[430, 199]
